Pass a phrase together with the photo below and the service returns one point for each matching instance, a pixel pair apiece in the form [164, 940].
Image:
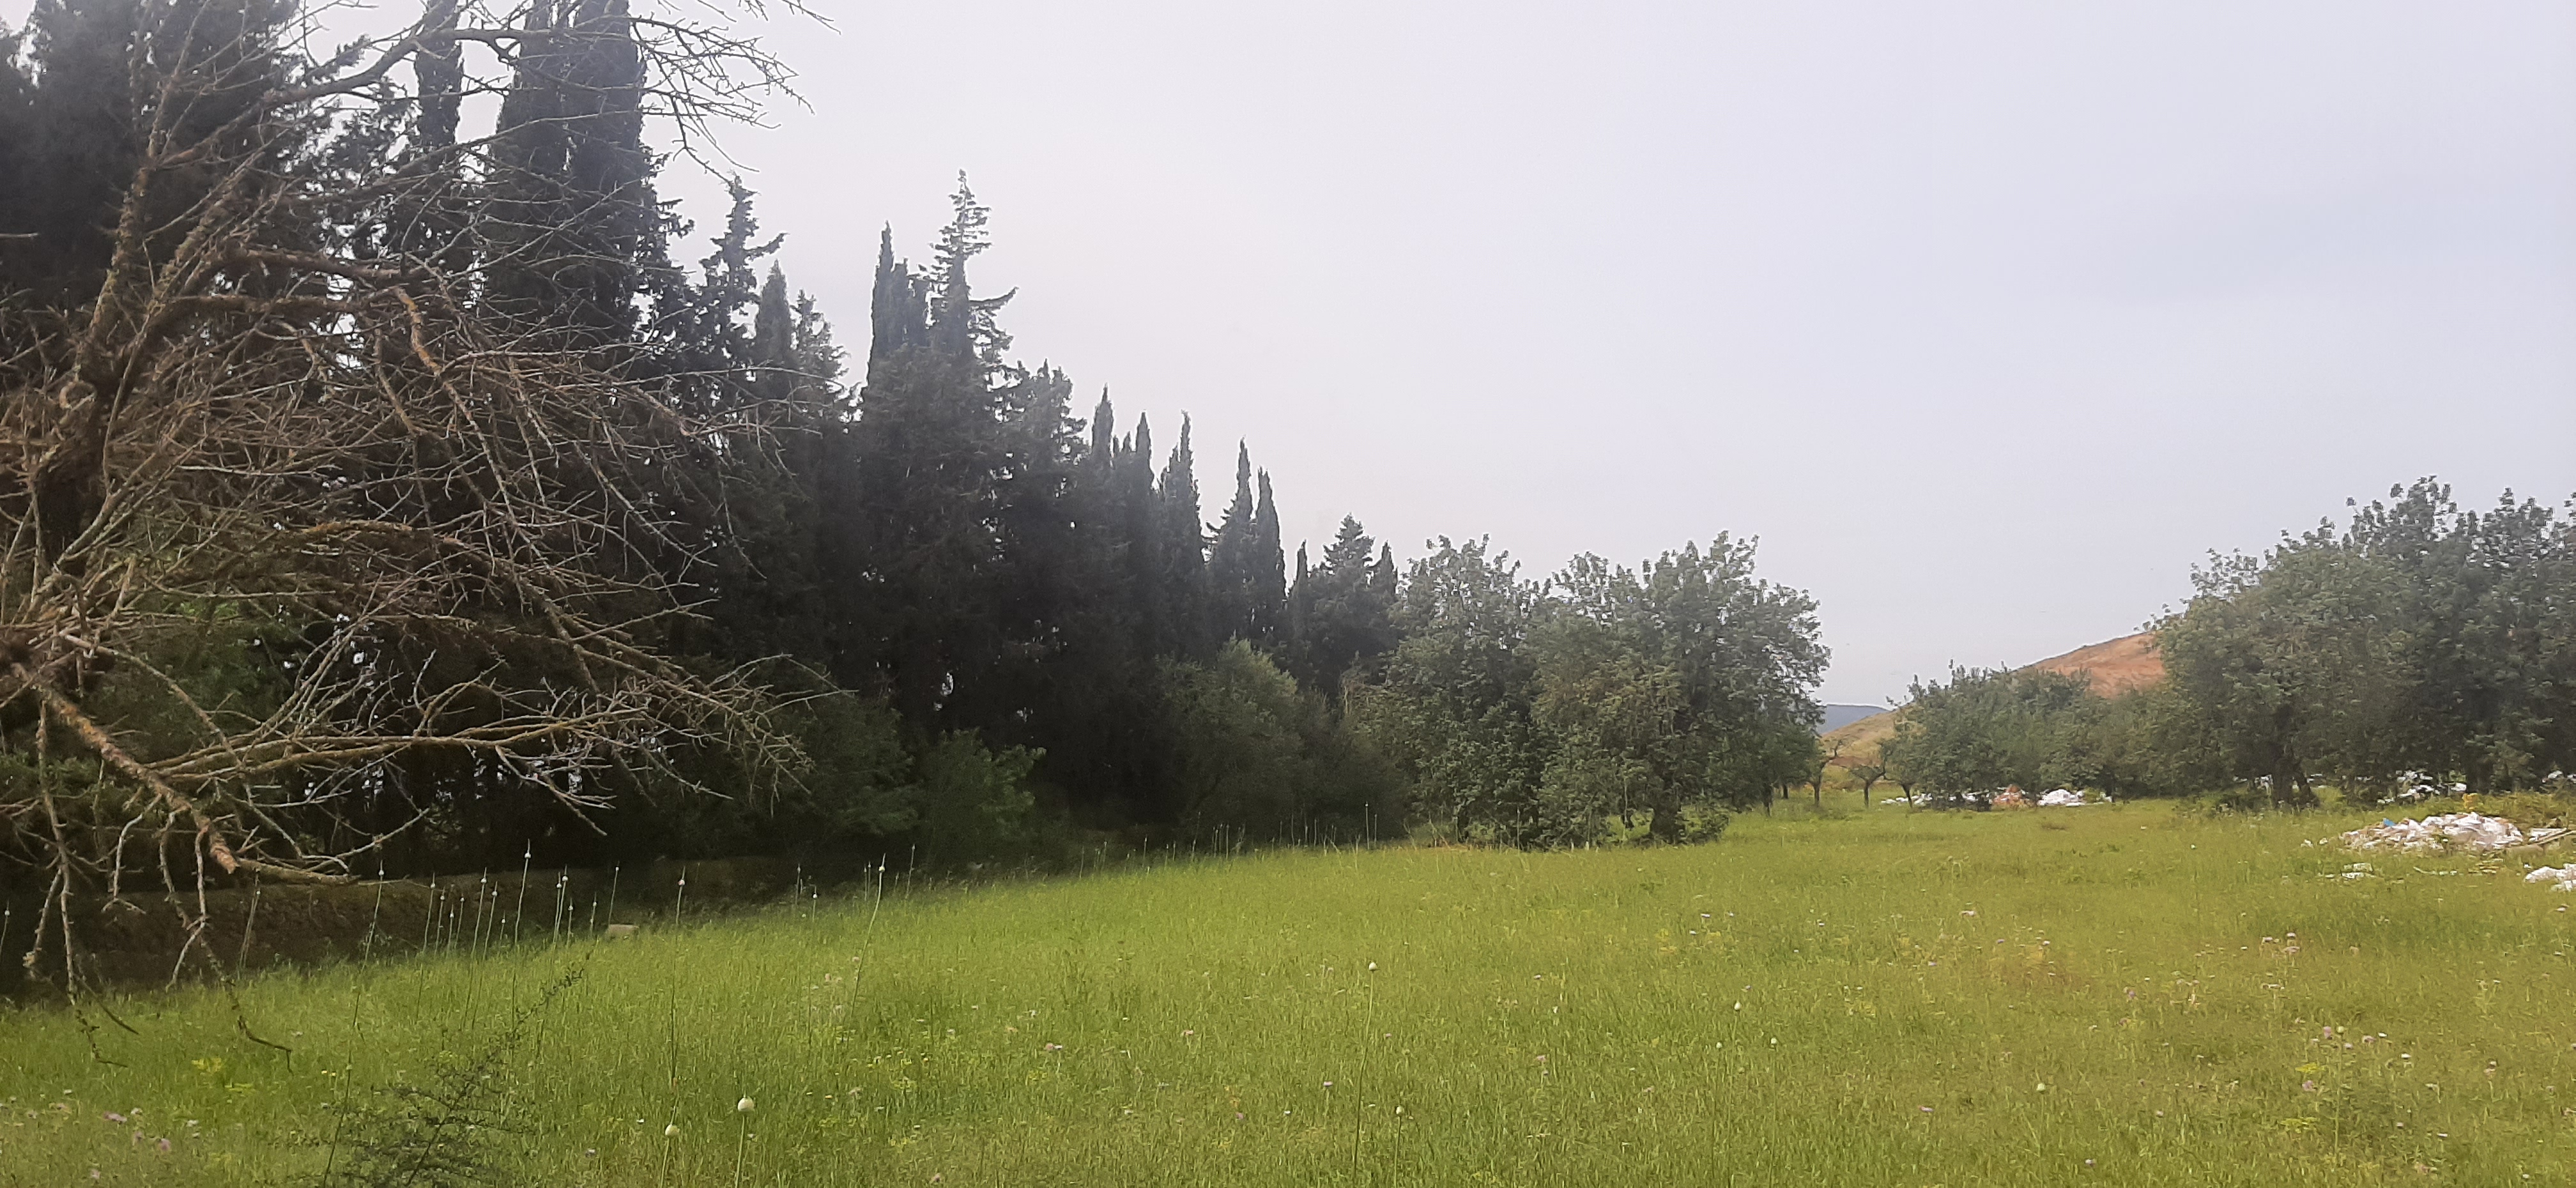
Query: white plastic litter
[2562, 878]
[2061, 798]
[2474, 832]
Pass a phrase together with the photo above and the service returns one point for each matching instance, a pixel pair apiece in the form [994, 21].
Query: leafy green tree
[1984, 730]
[1454, 706]
[1869, 772]
[1692, 667]
[2276, 670]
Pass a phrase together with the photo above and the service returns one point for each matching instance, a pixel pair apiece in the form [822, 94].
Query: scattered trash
[620, 931]
[2562, 878]
[2011, 798]
[2062, 798]
[2474, 832]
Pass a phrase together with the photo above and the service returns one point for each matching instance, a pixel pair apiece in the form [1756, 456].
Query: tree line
[381, 493]
[2421, 647]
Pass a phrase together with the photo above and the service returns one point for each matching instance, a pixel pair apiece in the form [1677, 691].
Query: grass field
[2103, 995]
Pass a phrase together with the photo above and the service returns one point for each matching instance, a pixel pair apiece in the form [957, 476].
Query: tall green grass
[2103, 995]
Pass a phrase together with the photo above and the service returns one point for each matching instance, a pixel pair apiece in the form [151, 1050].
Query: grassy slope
[1875, 1000]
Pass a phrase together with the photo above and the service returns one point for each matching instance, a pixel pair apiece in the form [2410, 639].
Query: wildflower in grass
[671, 1131]
[164, 1144]
[743, 1106]
[113, 1116]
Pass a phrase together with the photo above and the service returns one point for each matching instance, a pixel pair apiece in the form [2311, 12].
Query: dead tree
[286, 506]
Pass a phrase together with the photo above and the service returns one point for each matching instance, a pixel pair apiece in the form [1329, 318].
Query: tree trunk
[1666, 826]
[2286, 779]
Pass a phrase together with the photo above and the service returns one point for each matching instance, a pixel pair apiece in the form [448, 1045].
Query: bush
[1704, 823]
[1254, 754]
[974, 802]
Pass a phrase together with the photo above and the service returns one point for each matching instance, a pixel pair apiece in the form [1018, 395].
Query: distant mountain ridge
[2115, 666]
[1839, 716]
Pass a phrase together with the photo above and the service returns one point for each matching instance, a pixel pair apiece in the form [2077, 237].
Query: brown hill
[2116, 666]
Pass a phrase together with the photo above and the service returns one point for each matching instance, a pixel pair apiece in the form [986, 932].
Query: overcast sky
[1988, 319]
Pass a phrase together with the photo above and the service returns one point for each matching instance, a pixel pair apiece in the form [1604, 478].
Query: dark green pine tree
[768, 586]
[572, 232]
[439, 70]
[1181, 575]
[74, 116]
[74, 144]
[1139, 527]
[1042, 577]
[1301, 612]
[1269, 573]
[1346, 610]
[1233, 557]
[914, 554]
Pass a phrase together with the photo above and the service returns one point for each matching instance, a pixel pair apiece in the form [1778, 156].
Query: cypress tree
[1345, 609]
[571, 223]
[1233, 560]
[1269, 616]
[1182, 577]
[919, 551]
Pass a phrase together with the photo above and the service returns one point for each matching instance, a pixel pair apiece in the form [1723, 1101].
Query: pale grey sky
[1989, 319]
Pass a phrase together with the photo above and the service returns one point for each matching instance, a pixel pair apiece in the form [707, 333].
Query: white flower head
[743, 1106]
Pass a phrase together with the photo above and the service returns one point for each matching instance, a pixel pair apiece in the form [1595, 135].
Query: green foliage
[1453, 709]
[859, 784]
[1984, 730]
[1254, 754]
[974, 801]
[1532, 715]
[2422, 642]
